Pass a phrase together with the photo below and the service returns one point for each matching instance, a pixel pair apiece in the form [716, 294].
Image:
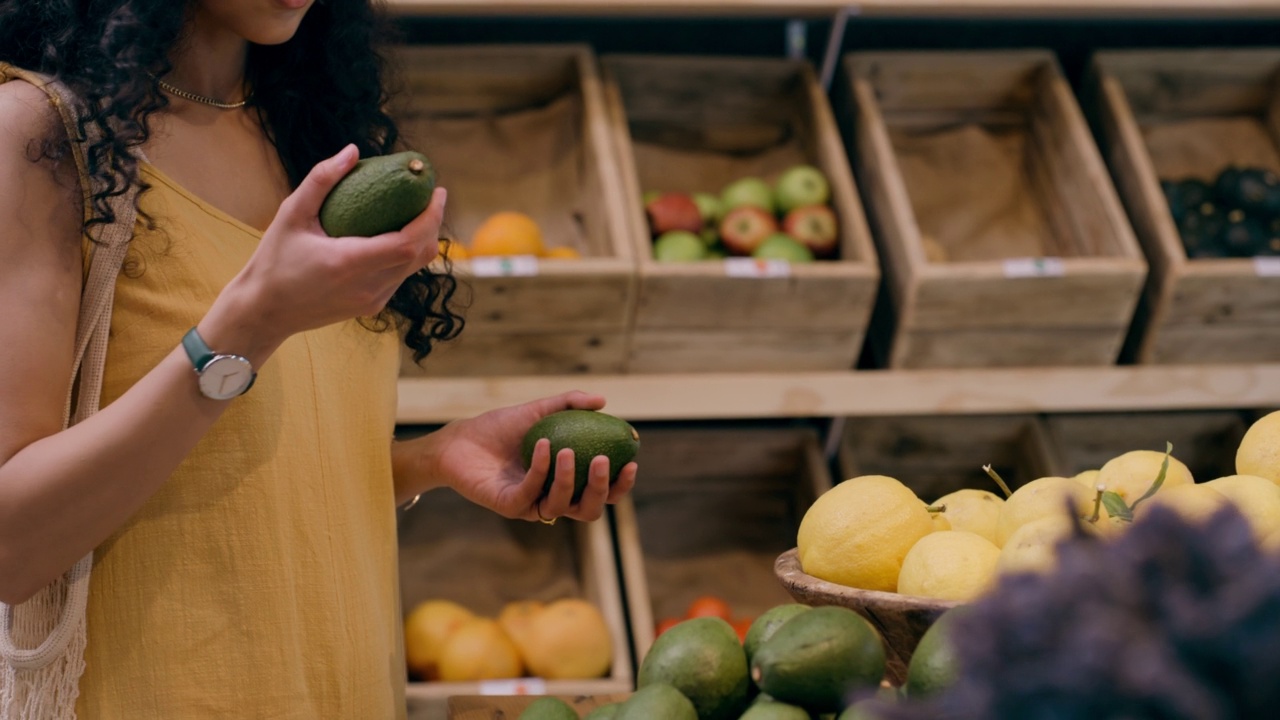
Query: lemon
[569, 639]
[479, 650]
[1194, 503]
[1257, 498]
[1089, 478]
[940, 521]
[949, 565]
[975, 511]
[857, 533]
[1040, 498]
[1271, 543]
[1033, 546]
[1259, 451]
[426, 629]
[1130, 475]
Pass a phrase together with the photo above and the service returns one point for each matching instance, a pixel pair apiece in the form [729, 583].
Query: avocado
[659, 700]
[605, 712]
[780, 246]
[819, 656]
[767, 624]
[863, 710]
[548, 708]
[774, 710]
[703, 659]
[1193, 193]
[588, 433]
[1243, 236]
[380, 194]
[1245, 188]
[933, 667]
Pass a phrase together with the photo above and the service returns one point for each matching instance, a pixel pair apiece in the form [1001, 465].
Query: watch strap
[198, 350]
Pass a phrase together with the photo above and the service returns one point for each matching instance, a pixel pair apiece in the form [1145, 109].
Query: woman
[245, 547]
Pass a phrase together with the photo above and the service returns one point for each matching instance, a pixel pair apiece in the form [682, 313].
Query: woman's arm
[479, 457]
[64, 492]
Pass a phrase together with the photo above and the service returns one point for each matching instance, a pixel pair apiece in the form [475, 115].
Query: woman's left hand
[479, 457]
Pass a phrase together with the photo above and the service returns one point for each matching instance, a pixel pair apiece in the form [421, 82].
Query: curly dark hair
[313, 95]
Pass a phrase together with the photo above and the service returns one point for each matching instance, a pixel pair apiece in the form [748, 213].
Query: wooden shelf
[862, 393]
[819, 8]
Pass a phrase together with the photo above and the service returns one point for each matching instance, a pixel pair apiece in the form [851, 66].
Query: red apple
[744, 228]
[815, 226]
[673, 211]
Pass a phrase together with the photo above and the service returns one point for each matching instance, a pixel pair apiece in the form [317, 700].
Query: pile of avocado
[1236, 216]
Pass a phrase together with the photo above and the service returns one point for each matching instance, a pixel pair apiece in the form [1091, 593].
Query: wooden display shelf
[820, 8]
[861, 393]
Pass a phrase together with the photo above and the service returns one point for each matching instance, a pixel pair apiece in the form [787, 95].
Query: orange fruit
[709, 606]
[426, 629]
[666, 624]
[453, 249]
[479, 650]
[742, 626]
[507, 233]
[517, 619]
[562, 252]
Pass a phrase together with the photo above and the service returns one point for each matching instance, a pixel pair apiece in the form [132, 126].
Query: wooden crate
[1206, 310]
[1042, 266]
[455, 550]
[1205, 442]
[470, 707]
[523, 128]
[935, 455]
[715, 509]
[696, 124]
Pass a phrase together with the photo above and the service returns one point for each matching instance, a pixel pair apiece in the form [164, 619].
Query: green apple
[780, 246]
[749, 191]
[679, 246]
[800, 186]
[710, 207]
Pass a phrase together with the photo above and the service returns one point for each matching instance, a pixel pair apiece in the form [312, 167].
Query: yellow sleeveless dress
[261, 581]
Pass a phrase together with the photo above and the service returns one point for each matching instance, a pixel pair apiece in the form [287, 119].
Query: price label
[507, 266]
[753, 268]
[1034, 267]
[1267, 266]
[520, 686]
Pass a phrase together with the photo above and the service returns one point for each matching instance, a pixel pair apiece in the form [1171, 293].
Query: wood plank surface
[866, 393]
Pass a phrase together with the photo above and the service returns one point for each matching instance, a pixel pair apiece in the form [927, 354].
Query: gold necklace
[202, 99]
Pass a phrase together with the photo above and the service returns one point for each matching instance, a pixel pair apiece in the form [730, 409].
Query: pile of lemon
[874, 533]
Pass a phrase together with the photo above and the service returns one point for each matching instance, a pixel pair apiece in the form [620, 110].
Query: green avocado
[380, 194]
[703, 659]
[588, 433]
[604, 712]
[818, 657]
[657, 701]
[548, 708]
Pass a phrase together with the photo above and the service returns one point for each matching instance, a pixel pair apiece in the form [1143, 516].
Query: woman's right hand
[299, 278]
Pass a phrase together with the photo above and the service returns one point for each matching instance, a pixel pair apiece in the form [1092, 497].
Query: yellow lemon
[479, 650]
[562, 252]
[857, 533]
[1271, 543]
[1089, 478]
[975, 511]
[426, 629]
[940, 521]
[1033, 547]
[568, 640]
[1040, 498]
[1130, 475]
[1259, 451]
[1193, 502]
[1257, 498]
[517, 619]
[949, 565]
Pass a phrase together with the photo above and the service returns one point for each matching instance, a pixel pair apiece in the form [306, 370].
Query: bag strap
[92, 326]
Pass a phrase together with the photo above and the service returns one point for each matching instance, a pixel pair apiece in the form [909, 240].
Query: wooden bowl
[901, 619]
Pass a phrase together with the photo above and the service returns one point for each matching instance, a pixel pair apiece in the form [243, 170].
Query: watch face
[225, 377]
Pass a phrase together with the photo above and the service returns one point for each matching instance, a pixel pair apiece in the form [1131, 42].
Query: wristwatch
[220, 377]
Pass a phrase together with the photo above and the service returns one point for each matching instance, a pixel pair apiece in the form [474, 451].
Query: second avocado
[588, 433]
[380, 194]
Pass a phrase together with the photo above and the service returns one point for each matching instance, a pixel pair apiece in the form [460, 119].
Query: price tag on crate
[1034, 267]
[507, 266]
[519, 686]
[1266, 266]
[753, 268]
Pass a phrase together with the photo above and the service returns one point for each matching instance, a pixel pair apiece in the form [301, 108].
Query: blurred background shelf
[862, 392]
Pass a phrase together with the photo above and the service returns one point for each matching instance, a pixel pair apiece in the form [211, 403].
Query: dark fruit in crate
[379, 195]
[744, 228]
[815, 226]
[588, 433]
[1173, 197]
[673, 211]
[1242, 236]
[1201, 229]
[1193, 193]
[1245, 188]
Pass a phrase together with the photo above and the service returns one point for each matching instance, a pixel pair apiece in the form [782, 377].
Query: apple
[744, 228]
[780, 246]
[815, 226]
[679, 246]
[673, 211]
[710, 207]
[649, 196]
[747, 192]
[799, 186]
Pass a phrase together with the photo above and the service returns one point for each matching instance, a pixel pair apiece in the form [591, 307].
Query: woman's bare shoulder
[29, 124]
